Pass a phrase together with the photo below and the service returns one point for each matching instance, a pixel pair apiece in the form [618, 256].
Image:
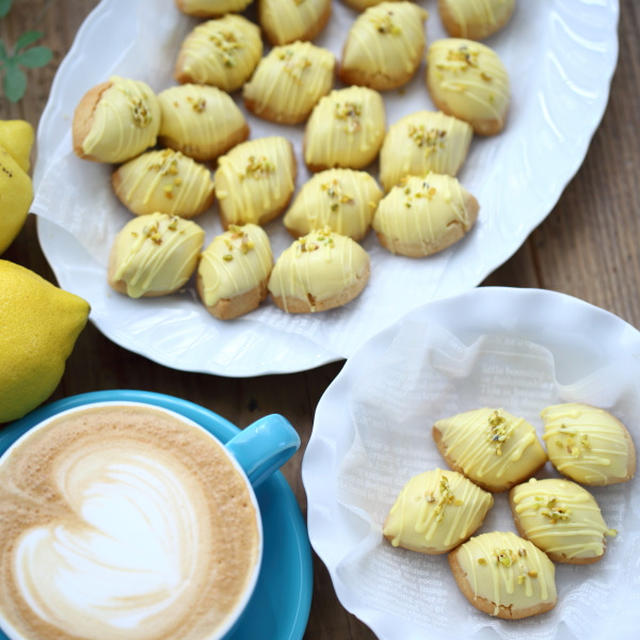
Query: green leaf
[27, 38]
[14, 83]
[5, 5]
[3, 52]
[34, 57]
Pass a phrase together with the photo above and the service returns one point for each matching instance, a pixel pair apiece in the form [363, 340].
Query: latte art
[116, 522]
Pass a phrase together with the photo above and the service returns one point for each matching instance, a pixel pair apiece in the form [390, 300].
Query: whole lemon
[39, 325]
[16, 194]
[16, 136]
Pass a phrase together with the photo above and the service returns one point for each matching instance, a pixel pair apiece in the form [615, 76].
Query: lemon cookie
[421, 142]
[115, 121]
[255, 181]
[467, 79]
[222, 53]
[319, 271]
[474, 19]
[165, 182]
[234, 271]
[490, 446]
[588, 445]
[346, 129]
[435, 512]
[384, 46]
[285, 21]
[422, 216]
[289, 81]
[154, 255]
[561, 518]
[211, 8]
[504, 575]
[341, 199]
[202, 122]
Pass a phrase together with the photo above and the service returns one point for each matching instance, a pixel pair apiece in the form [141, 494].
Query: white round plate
[560, 56]
[520, 349]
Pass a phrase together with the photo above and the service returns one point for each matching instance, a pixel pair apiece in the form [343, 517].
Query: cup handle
[264, 446]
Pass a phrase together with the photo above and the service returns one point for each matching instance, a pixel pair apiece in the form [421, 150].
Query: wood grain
[589, 247]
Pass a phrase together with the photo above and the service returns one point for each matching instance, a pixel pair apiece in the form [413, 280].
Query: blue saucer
[279, 607]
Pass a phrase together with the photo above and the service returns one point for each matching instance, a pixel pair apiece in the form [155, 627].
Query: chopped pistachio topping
[152, 231]
[226, 42]
[552, 509]
[335, 194]
[258, 167]
[464, 57]
[350, 112]
[482, 561]
[532, 574]
[499, 430]
[198, 104]
[313, 243]
[425, 191]
[294, 65]
[167, 166]
[140, 113]
[445, 498]
[385, 25]
[304, 245]
[236, 238]
[504, 557]
[428, 139]
[576, 444]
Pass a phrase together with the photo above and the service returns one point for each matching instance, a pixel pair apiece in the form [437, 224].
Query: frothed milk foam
[123, 522]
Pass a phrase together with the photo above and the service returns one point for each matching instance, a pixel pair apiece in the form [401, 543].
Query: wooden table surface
[589, 246]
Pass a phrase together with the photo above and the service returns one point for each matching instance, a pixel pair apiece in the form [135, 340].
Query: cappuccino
[124, 521]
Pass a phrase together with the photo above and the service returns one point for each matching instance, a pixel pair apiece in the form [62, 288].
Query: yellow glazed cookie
[341, 199]
[467, 80]
[384, 46]
[289, 81]
[255, 181]
[202, 122]
[474, 19]
[154, 255]
[115, 121]
[222, 53]
[561, 518]
[504, 575]
[346, 129]
[588, 444]
[234, 271]
[285, 21]
[211, 8]
[435, 512]
[422, 216]
[165, 182]
[490, 446]
[319, 271]
[421, 142]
